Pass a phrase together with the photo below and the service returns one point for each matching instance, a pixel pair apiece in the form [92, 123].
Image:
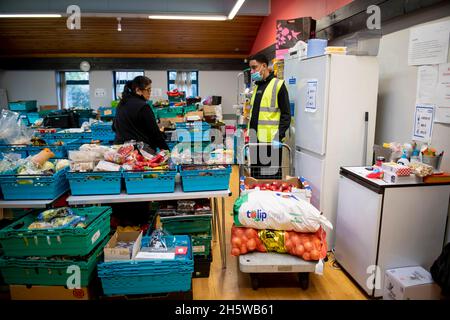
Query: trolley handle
[260, 144]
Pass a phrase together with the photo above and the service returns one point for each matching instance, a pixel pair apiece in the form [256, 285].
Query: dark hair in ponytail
[140, 82]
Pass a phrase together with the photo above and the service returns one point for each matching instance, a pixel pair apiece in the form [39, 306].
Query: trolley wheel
[303, 279]
[255, 281]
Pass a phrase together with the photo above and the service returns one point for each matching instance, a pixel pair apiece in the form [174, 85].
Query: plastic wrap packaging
[277, 211]
[97, 152]
[421, 169]
[30, 168]
[57, 218]
[82, 166]
[157, 242]
[107, 166]
[11, 161]
[23, 135]
[308, 246]
[9, 128]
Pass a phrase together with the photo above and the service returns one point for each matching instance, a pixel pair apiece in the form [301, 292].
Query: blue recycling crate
[193, 131]
[30, 105]
[94, 183]
[149, 181]
[60, 151]
[150, 276]
[103, 131]
[20, 149]
[67, 135]
[33, 117]
[205, 179]
[34, 187]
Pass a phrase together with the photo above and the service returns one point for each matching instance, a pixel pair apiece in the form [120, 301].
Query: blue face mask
[256, 76]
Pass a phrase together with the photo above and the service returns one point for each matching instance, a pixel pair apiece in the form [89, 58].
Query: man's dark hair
[260, 58]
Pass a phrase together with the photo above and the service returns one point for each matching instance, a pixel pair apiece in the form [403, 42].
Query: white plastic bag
[278, 211]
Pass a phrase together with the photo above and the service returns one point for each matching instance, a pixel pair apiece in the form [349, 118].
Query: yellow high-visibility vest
[269, 112]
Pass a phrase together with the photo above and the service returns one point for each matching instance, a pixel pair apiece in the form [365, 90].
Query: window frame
[169, 82]
[115, 84]
[62, 84]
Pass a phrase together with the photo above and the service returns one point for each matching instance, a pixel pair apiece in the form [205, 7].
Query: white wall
[30, 85]
[220, 83]
[101, 80]
[397, 96]
[41, 86]
[159, 82]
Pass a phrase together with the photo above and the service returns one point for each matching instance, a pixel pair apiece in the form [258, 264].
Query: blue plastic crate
[103, 132]
[32, 117]
[34, 187]
[94, 183]
[60, 151]
[152, 276]
[30, 105]
[14, 148]
[150, 182]
[205, 180]
[66, 135]
[193, 131]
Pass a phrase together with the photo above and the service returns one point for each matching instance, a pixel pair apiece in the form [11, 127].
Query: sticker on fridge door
[311, 94]
[423, 122]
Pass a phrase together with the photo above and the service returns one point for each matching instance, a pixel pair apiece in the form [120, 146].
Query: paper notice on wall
[311, 96]
[99, 93]
[428, 44]
[442, 96]
[423, 123]
[427, 78]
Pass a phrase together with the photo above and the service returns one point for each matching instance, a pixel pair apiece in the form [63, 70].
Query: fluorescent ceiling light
[187, 17]
[235, 9]
[31, 15]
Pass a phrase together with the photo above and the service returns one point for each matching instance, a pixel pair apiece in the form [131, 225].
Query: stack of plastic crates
[103, 131]
[198, 227]
[16, 186]
[193, 131]
[138, 277]
[47, 257]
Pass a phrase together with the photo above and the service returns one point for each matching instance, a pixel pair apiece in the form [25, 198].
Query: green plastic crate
[201, 244]
[187, 224]
[18, 241]
[23, 271]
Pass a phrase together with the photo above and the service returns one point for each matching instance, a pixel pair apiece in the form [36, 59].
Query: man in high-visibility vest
[270, 116]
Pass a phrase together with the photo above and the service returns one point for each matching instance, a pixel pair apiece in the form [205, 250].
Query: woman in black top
[134, 118]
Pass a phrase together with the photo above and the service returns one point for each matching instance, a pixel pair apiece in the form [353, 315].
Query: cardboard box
[120, 254]
[195, 115]
[48, 107]
[301, 191]
[20, 292]
[410, 283]
[209, 110]
[390, 177]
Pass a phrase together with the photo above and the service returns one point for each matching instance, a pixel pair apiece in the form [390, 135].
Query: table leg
[214, 222]
[218, 222]
[224, 255]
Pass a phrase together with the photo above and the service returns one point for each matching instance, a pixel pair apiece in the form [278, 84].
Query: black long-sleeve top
[283, 104]
[135, 120]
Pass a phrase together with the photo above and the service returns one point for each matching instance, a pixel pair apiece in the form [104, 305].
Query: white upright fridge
[335, 98]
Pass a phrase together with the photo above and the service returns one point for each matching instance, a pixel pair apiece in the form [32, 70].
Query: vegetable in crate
[58, 218]
[277, 211]
[308, 246]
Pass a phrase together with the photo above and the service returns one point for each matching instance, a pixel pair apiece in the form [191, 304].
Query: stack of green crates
[199, 229]
[47, 257]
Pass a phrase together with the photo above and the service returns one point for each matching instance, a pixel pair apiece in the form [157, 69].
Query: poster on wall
[423, 123]
[428, 44]
[289, 32]
[442, 96]
[427, 78]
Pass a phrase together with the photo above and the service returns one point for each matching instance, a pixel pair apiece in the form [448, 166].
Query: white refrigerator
[335, 98]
